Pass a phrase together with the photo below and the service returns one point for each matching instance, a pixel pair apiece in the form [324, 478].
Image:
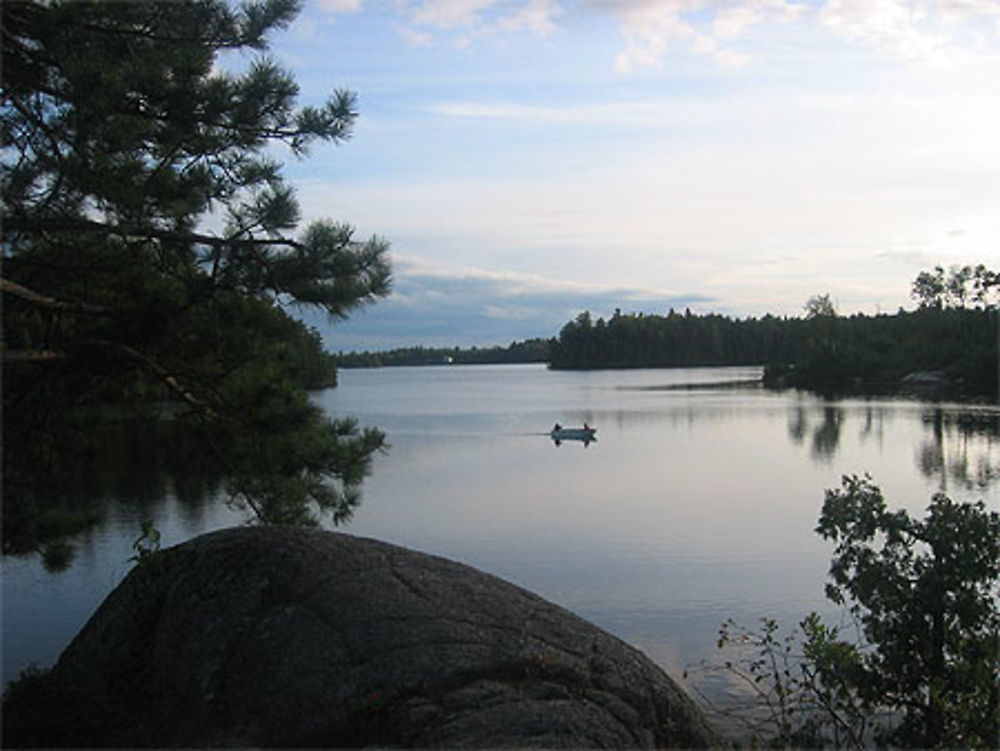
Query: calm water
[696, 504]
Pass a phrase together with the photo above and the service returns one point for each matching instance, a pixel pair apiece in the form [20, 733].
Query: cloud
[926, 31]
[893, 26]
[627, 113]
[435, 304]
[472, 19]
[340, 6]
[414, 36]
[538, 16]
[732, 21]
[450, 14]
[654, 28]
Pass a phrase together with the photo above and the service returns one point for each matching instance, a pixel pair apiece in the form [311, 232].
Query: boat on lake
[585, 434]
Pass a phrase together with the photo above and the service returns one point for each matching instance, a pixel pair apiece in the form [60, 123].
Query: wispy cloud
[632, 113]
[478, 18]
[537, 16]
[340, 6]
[931, 32]
[653, 28]
[450, 14]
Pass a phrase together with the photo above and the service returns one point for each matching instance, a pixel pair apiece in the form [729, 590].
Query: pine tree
[150, 248]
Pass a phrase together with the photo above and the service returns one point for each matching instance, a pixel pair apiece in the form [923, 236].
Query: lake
[697, 503]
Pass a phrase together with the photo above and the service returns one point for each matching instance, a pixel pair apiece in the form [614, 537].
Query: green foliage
[923, 671]
[924, 592]
[797, 686]
[147, 544]
[121, 138]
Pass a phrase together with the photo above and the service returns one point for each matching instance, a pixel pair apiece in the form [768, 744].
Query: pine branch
[14, 225]
[30, 356]
[50, 303]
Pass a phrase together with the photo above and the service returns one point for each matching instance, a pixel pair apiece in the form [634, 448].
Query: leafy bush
[922, 670]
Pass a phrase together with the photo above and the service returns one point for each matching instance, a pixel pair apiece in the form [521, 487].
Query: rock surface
[290, 637]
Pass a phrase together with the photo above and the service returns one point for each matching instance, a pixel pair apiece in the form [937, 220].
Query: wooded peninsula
[948, 342]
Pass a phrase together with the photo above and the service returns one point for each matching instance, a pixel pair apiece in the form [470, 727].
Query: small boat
[585, 434]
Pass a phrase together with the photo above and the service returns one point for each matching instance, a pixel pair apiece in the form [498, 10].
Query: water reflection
[698, 504]
[142, 465]
[798, 423]
[585, 435]
[961, 448]
[825, 434]
[874, 424]
[135, 464]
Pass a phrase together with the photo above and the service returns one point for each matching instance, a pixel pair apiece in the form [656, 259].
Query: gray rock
[304, 638]
[925, 378]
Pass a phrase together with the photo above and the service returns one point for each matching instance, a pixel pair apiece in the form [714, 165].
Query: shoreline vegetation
[519, 352]
[947, 346]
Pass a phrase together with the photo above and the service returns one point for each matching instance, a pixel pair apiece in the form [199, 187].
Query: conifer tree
[151, 248]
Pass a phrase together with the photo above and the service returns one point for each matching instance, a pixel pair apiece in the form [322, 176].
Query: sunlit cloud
[930, 32]
[733, 20]
[653, 28]
[926, 31]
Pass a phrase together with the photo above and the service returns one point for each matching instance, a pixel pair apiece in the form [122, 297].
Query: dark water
[697, 502]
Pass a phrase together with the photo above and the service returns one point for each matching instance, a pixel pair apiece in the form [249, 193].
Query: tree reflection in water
[825, 435]
[961, 448]
[134, 461]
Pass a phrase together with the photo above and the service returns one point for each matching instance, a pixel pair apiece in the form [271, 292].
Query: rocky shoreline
[282, 637]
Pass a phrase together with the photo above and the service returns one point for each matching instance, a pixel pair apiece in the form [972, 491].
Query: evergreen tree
[150, 248]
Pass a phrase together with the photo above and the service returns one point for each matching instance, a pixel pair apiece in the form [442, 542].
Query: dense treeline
[950, 340]
[638, 340]
[952, 335]
[527, 351]
[826, 352]
[954, 347]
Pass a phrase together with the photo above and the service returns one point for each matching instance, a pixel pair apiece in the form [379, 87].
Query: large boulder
[291, 637]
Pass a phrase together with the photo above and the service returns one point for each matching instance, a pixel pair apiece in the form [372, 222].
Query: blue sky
[529, 159]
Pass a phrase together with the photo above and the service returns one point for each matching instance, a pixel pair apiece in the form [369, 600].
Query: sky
[531, 159]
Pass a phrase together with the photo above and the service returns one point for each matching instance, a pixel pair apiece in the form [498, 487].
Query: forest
[948, 342]
[951, 338]
[527, 351]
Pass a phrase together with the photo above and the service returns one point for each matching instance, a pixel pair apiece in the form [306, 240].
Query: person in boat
[557, 427]
[586, 427]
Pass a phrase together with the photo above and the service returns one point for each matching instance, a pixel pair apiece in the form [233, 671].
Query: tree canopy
[151, 248]
[956, 288]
